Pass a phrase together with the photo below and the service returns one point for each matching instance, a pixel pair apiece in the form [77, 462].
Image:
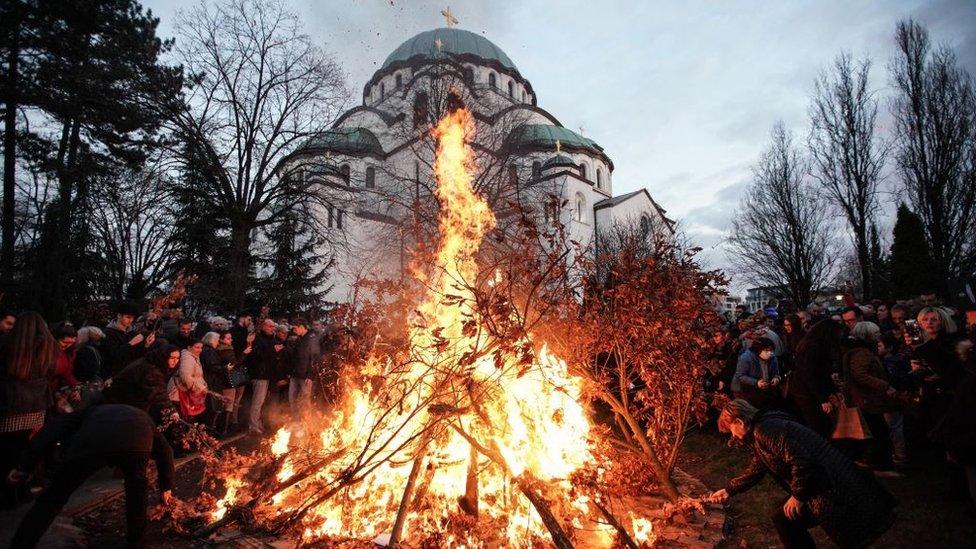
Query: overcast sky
[681, 94]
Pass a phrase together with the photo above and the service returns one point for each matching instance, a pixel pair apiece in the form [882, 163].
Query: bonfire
[450, 443]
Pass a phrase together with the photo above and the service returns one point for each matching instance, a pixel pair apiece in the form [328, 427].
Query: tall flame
[531, 415]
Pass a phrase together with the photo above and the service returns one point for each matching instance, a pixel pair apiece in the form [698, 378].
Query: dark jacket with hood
[141, 385]
[851, 506]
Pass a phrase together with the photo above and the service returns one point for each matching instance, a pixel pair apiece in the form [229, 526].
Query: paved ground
[100, 489]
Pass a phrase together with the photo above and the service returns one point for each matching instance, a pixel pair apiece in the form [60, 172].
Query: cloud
[681, 97]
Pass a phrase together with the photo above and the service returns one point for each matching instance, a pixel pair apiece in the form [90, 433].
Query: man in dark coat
[818, 356]
[123, 344]
[304, 360]
[108, 435]
[826, 489]
[261, 365]
[240, 331]
[184, 335]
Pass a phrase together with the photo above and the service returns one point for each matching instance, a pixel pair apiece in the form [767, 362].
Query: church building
[377, 158]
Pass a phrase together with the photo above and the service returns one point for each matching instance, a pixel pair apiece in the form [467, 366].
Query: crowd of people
[88, 394]
[826, 399]
[854, 393]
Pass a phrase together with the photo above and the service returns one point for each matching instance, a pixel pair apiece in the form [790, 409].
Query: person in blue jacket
[756, 379]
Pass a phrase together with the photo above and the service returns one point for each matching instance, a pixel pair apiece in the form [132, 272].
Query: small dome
[543, 137]
[453, 41]
[560, 161]
[350, 141]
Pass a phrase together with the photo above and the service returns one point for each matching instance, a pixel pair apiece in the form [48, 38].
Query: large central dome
[453, 41]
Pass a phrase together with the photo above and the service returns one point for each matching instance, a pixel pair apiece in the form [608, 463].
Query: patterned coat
[848, 504]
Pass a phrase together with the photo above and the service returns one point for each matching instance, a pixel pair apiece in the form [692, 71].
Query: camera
[914, 331]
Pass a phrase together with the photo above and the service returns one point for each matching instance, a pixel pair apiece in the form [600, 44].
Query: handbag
[192, 405]
[850, 423]
[238, 376]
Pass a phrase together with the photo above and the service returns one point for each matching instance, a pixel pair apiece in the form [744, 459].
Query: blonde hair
[208, 338]
[89, 333]
[948, 325]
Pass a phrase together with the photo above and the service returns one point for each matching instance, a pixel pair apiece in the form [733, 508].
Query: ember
[455, 446]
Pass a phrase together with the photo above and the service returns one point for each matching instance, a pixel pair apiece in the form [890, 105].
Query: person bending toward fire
[826, 489]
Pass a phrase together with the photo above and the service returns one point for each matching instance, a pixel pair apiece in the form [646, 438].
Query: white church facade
[376, 160]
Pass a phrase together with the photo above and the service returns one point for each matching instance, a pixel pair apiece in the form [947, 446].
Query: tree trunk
[239, 264]
[864, 262]
[660, 471]
[9, 154]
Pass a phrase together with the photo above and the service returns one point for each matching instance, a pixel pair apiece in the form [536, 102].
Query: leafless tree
[131, 217]
[780, 235]
[262, 88]
[935, 113]
[846, 151]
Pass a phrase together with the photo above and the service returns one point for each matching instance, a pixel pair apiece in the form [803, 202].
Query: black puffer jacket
[851, 507]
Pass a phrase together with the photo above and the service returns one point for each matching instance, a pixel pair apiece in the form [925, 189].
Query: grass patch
[925, 518]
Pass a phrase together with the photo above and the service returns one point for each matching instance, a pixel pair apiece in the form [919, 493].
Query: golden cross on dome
[439, 43]
[449, 17]
[559, 147]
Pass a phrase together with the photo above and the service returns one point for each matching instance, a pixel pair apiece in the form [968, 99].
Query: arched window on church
[344, 171]
[399, 81]
[421, 108]
[492, 81]
[382, 91]
[513, 176]
[370, 177]
[536, 169]
[511, 89]
[599, 178]
[582, 168]
[580, 213]
[645, 225]
[469, 75]
[335, 216]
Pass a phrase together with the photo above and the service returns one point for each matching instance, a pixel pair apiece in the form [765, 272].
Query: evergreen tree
[911, 266]
[201, 246]
[97, 92]
[298, 276]
[879, 268]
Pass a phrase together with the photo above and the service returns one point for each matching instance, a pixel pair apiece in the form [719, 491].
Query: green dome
[351, 141]
[453, 41]
[543, 137]
[560, 160]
